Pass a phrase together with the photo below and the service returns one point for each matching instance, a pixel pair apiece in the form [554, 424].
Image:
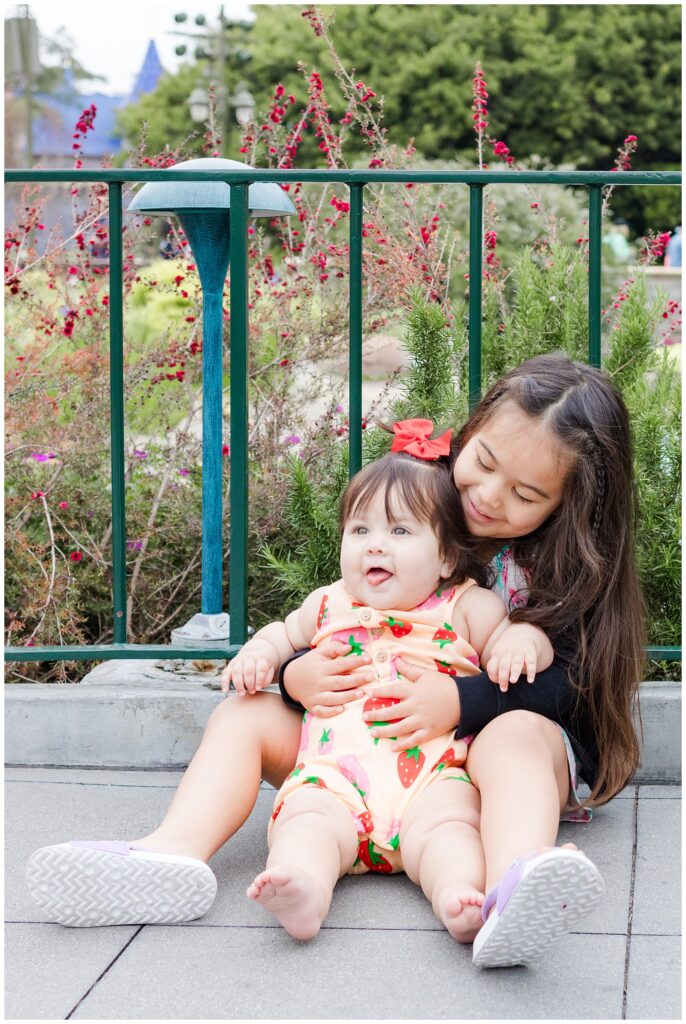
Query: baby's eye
[399, 531]
[359, 530]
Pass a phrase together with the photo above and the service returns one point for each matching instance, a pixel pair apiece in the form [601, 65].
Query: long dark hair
[426, 488]
[584, 581]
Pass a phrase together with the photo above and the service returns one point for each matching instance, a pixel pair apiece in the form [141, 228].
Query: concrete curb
[159, 725]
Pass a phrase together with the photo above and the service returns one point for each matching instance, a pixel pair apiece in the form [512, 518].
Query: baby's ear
[448, 567]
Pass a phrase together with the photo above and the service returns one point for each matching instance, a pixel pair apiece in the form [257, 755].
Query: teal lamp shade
[265, 199]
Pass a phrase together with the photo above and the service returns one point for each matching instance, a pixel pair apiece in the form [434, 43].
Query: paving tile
[660, 792]
[48, 968]
[38, 814]
[657, 893]
[348, 974]
[654, 989]
[607, 840]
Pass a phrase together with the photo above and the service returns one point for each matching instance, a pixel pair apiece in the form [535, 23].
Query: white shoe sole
[86, 888]
[559, 889]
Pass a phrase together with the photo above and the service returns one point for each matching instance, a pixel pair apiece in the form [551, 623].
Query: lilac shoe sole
[86, 888]
[558, 889]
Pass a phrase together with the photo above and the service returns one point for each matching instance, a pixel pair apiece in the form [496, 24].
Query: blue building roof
[149, 74]
[53, 127]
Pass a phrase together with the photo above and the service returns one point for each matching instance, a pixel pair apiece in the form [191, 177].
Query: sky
[111, 36]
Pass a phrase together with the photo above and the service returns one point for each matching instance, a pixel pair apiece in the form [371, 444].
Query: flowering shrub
[59, 526]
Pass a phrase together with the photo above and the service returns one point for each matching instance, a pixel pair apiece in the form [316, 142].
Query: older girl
[543, 471]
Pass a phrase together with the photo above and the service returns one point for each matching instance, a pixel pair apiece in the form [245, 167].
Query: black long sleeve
[551, 694]
[285, 696]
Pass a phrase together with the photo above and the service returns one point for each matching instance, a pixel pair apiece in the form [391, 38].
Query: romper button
[366, 615]
[381, 656]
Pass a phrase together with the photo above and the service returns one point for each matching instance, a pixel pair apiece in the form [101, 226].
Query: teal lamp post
[203, 209]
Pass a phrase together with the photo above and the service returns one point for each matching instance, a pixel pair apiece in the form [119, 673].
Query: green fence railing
[237, 181]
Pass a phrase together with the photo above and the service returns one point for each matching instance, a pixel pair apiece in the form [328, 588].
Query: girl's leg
[441, 851]
[519, 765]
[247, 738]
[313, 842]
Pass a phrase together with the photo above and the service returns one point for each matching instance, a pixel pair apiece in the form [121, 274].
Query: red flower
[76, 556]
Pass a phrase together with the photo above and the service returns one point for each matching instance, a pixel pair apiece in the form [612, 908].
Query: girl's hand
[513, 652]
[429, 706]
[252, 669]
[325, 679]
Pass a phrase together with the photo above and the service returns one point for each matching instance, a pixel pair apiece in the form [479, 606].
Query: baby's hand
[252, 669]
[514, 651]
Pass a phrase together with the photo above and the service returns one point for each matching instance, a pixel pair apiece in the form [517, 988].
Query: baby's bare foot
[459, 908]
[297, 900]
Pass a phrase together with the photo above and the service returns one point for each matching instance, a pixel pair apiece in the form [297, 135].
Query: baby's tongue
[377, 576]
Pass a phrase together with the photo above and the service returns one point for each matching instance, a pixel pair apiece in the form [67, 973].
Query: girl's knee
[522, 729]
[515, 738]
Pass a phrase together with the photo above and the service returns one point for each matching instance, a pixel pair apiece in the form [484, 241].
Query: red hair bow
[412, 436]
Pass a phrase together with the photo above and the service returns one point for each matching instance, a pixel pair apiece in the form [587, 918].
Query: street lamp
[200, 108]
[242, 104]
[203, 209]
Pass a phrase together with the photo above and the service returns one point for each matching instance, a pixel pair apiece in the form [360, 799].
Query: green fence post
[238, 270]
[595, 216]
[355, 343]
[116, 308]
[476, 208]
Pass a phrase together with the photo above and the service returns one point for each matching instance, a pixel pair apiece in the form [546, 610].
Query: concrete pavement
[381, 954]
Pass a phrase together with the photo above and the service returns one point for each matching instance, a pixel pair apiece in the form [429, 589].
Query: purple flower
[139, 454]
[184, 472]
[134, 545]
[39, 457]
[339, 408]
[291, 439]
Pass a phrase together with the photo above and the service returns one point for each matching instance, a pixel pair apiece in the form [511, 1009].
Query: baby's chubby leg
[442, 851]
[313, 843]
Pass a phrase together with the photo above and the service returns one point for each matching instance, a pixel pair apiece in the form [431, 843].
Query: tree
[568, 82]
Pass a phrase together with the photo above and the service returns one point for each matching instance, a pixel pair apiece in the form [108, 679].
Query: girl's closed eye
[489, 469]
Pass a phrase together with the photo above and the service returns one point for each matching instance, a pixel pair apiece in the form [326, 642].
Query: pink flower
[76, 556]
[64, 504]
[226, 450]
[630, 138]
[184, 472]
[140, 454]
[37, 494]
[291, 439]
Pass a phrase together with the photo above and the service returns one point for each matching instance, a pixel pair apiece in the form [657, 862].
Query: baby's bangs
[412, 484]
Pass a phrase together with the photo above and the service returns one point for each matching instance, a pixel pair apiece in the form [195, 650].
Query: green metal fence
[239, 181]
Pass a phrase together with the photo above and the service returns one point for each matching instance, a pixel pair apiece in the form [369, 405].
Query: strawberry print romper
[373, 782]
